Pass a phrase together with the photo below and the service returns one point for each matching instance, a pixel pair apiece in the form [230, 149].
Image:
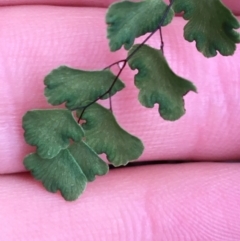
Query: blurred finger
[159, 202]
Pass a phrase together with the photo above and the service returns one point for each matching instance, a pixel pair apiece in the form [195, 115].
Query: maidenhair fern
[68, 141]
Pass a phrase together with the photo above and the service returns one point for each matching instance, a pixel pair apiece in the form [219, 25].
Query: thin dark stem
[140, 45]
[80, 117]
[108, 67]
[99, 97]
[161, 40]
[125, 62]
[110, 102]
[150, 35]
[85, 107]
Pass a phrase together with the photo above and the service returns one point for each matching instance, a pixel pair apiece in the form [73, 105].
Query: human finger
[159, 202]
[82, 3]
[35, 39]
[232, 4]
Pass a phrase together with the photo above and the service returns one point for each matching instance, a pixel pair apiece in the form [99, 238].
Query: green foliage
[158, 83]
[128, 20]
[90, 163]
[210, 24]
[50, 130]
[59, 173]
[104, 135]
[58, 165]
[77, 87]
[68, 167]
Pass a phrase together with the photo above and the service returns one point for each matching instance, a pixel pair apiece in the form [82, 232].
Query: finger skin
[232, 4]
[35, 40]
[187, 202]
[82, 3]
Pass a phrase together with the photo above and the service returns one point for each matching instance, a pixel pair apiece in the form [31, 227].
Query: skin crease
[195, 201]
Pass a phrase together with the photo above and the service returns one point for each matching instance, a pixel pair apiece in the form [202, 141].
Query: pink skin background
[194, 201]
